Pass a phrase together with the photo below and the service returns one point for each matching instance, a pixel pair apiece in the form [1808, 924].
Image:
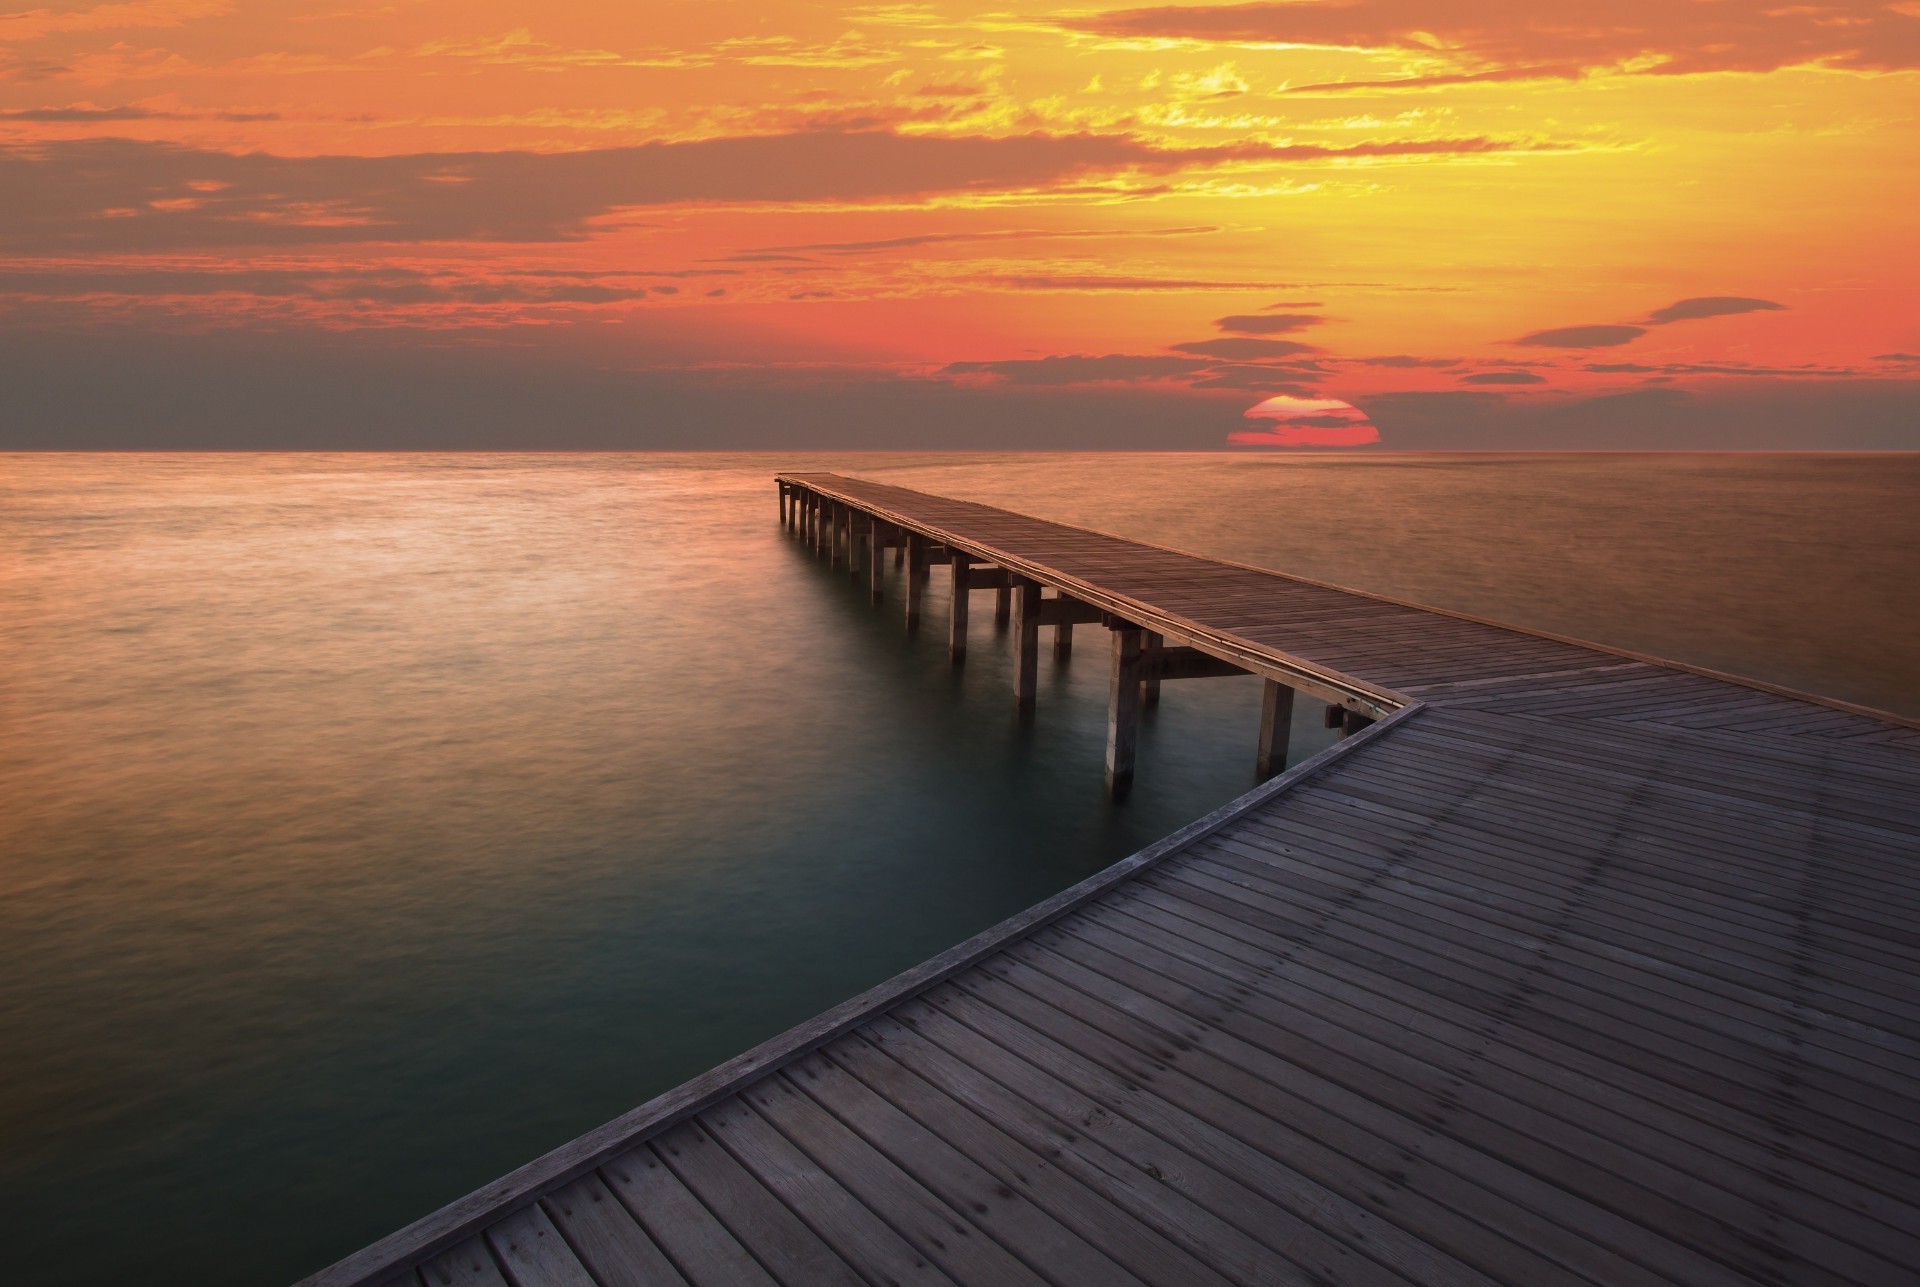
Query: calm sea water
[371, 824]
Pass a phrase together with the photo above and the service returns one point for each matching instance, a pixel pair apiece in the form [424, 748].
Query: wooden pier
[1568, 966]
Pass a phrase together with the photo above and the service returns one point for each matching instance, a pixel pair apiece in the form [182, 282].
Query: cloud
[1503, 377]
[122, 194]
[37, 24]
[1564, 71]
[1403, 360]
[1487, 40]
[1582, 337]
[84, 114]
[1720, 368]
[1116, 282]
[65, 295]
[1292, 421]
[1612, 335]
[992, 234]
[1077, 369]
[1234, 349]
[1709, 306]
[1268, 323]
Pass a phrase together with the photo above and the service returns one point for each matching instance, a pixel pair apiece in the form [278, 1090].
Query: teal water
[371, 824]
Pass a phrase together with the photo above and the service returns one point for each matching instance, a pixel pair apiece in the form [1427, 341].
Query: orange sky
[1485, 224]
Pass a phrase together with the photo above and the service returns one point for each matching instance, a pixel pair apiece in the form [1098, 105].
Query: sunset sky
[1442, 224]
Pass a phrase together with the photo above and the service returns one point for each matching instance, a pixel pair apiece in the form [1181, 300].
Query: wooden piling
[1150, 689]
[1276, 727]
[957, 624]
[876, 560]
[1026, 644]
[915, 547]
[1123, 709]
[1002, 606]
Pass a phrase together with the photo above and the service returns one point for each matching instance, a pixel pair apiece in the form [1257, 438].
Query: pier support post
[783, 503]
[1276, 727]
[957, 626]
[837, 528]
[1063, 641]
[915, 546]
[876, 560]
[858, 526]
[1150, 689]
[1026, 643]
[1348, 722]
[1123, 710]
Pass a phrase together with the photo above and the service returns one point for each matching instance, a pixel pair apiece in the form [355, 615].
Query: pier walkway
[1565, 966]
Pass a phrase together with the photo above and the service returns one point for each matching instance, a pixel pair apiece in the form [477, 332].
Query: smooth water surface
[370, 824]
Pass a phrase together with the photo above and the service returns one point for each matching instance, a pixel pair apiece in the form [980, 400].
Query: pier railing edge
[1651, 659]
[465, 1216]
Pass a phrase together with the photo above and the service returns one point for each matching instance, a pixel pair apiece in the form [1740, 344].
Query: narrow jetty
[1563, 966]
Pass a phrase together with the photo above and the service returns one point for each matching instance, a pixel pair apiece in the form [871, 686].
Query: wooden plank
[1216, 1208]
[994, 1199]
[943, 1233]
[779, 1240]
[468, 1265]
[533, 1252]
[1160, 663]
[830, 1209]
[1342, 1192]
[1717, 1175]
[700, 1246]
[1736, 1050]
[1086, 1209]
[1581, 1072]
[606, 1237]
[1529, 1210]
[1696, 1211]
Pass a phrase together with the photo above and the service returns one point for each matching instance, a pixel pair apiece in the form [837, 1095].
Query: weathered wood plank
[468, 1265]
[855, 1232]
[702, 1247]
[533, 1252]
[790, 1250]
[606, 1237]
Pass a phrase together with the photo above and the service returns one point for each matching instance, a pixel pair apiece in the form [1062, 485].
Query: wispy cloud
[130, 195]
[1491, 39]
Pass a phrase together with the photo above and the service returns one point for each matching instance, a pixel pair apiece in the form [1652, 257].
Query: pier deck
[1573, 967]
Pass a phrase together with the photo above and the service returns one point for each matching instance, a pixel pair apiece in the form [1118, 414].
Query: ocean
[370, 824]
